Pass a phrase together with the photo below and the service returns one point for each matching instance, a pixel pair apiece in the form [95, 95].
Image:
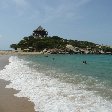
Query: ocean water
[62, 83]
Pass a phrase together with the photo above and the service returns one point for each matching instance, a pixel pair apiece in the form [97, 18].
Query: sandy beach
[3, 52]
[8, 102]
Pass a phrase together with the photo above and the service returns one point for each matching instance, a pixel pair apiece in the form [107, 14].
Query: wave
[48, 93]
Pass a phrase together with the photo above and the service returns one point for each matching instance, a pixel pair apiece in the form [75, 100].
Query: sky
[87, 20]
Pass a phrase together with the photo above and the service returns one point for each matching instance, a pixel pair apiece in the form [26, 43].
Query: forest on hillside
[55, 42]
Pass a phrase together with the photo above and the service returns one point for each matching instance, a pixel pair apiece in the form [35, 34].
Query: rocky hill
[57, 44]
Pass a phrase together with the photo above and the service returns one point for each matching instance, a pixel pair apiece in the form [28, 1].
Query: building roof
[39, 28]
[40, 32]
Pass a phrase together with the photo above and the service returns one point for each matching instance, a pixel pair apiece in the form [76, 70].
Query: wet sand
[8, 102]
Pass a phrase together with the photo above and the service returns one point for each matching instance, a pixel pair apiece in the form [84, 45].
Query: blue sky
[89, 20]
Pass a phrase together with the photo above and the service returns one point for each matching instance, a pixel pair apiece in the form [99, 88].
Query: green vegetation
[55, 42]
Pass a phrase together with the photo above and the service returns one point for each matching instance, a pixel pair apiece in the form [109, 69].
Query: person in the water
[84, 62]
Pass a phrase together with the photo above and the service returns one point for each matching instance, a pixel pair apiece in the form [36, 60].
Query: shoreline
[12, 52]
[9, 102]
[17, 53]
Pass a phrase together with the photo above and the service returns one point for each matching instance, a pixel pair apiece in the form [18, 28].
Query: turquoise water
[62, 83]
[96, 75]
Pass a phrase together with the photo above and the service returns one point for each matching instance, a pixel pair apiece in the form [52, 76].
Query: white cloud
[82, 2]
[46, 10]
[21, 3]
[60, 9]
[17, 6]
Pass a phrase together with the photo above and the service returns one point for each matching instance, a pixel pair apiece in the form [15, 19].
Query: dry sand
[8, 102]
[18, 53]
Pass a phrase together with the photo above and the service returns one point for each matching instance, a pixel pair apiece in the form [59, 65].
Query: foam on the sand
[49, 94]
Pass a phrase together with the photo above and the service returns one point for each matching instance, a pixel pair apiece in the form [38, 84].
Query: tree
[14, 46]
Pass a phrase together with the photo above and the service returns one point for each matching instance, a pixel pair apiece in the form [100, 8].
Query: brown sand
[8, 102]
[3, 61]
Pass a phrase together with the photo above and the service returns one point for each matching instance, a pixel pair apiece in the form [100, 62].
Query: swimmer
[84, 62]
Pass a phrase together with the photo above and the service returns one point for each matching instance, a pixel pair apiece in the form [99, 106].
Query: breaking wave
[48, 93]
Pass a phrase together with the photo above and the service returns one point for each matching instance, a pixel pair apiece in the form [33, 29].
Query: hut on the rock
[40, 32]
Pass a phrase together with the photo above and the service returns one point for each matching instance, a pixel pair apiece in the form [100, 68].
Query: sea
[62, 82]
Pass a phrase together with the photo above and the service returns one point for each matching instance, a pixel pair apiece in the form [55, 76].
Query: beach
[56, 83]
[11, 52]
[8, 102]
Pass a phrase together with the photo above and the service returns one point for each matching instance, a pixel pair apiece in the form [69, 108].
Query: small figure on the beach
[84, 62]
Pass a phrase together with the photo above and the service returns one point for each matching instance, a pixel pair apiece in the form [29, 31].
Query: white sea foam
[50, 94]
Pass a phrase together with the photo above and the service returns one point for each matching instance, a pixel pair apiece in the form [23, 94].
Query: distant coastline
[40, 43]
[12, 52]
